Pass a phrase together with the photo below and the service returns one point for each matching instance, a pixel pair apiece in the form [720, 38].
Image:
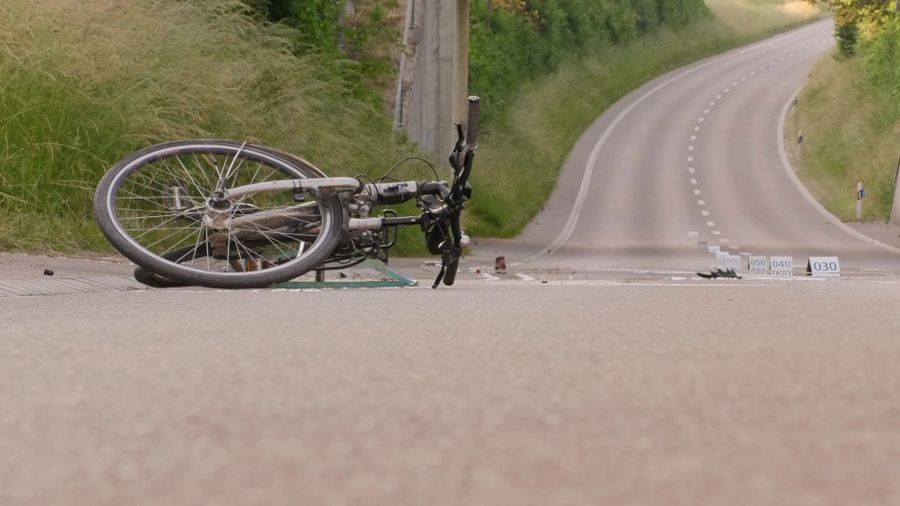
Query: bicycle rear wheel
[161, 208]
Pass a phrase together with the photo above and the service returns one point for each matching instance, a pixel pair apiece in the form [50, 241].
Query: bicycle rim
[160, 202]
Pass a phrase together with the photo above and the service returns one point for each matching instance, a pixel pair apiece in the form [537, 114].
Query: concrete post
[433, 86]
[895, 207]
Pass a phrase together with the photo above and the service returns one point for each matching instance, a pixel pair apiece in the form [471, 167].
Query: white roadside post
[860, 193]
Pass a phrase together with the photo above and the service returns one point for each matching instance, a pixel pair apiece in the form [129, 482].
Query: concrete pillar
[434, 80]
[895, 207]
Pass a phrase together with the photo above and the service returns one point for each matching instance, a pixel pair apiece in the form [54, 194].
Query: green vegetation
[85, 83]
[850, 117]
[523, 148]
[514, 41]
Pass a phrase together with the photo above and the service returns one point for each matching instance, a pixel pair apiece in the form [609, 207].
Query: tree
[860, 20]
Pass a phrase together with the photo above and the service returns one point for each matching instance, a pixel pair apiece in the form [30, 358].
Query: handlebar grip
[472, 126]
[450, 275]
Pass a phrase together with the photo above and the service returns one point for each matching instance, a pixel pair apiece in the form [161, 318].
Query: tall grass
[86, 82]
[849, 113]
[521, 153]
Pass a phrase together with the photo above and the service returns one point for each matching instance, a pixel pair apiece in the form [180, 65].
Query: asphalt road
[602, 373]
[695, 156]
[564, 393]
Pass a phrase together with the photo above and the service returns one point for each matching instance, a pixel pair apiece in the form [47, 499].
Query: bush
[882, 61]
[846, 36]
[512, 42]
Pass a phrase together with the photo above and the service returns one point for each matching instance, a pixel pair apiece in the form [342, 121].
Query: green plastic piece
[396, 281]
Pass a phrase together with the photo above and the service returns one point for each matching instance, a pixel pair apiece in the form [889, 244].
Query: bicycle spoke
[163, 207]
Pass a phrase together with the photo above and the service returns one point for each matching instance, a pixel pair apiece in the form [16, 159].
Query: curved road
[693, 159]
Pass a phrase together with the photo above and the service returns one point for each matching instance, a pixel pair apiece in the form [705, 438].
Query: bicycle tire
[148, 170]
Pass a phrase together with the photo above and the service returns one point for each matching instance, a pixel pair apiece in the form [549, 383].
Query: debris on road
[719, 273]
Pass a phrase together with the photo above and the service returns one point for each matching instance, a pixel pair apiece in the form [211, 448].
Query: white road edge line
[773, 41]
[575, 214]
[789, 169]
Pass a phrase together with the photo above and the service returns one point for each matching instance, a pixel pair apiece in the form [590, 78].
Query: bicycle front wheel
[162, 208]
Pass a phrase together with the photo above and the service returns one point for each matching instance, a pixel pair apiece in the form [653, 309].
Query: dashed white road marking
[691, 170]
[693, 137]
[690, 158]
[697, 192]
[696, 128]
[583, 190]
[705, 111]
[693, 181]
[704, 212]
[716, 232]
[718, 97]
[710, 224]
[524, 277]
[701, 202]
[690, 148]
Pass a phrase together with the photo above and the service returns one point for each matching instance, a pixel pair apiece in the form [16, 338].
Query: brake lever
[455, 160]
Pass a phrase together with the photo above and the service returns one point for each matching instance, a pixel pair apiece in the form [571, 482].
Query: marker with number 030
[824, 267]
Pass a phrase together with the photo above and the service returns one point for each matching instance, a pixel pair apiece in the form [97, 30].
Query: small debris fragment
[48, 272]
[500, 264]
[719, 273]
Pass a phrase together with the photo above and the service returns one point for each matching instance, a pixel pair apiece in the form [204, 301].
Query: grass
[520, 155]
[87, 82]
[850, 135]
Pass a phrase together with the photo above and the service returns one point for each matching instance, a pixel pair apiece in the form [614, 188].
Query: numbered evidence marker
[733, 262]
[825, 267]
[722, 260]
[782, 266]
[758, 265]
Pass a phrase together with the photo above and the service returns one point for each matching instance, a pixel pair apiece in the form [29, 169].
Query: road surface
[693, 159]
[597, 374]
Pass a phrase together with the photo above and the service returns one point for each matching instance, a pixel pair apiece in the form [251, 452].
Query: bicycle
[230, 214]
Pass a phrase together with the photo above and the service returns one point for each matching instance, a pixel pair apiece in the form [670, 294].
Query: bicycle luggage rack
[396, 280]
